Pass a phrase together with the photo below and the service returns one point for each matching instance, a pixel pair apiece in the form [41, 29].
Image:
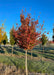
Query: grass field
[41, 62]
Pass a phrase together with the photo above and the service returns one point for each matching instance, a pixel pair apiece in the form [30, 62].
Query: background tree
[5, 39]
[12, 41]
[26, 35]
[0, 36]
[44, 40]
[1, 33]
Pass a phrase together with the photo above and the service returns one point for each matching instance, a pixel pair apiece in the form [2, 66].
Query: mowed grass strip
[33, 65]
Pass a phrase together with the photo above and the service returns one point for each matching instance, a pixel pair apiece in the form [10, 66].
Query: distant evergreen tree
[4, 42]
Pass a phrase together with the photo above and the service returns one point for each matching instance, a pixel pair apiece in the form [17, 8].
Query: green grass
[33, 65]
[36, 52]
[48, 52]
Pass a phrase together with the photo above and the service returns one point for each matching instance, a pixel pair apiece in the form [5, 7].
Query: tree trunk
[26, 64]
[12, 50]
[31, 54]
[43, 53]
[43, 49]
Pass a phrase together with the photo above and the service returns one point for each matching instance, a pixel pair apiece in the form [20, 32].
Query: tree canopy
[5, 39]
[44, 39]
[12, 41]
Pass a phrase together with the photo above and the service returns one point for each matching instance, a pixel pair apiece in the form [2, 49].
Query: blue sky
[10, 11]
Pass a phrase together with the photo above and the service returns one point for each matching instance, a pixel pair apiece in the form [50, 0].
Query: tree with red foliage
[26, 34]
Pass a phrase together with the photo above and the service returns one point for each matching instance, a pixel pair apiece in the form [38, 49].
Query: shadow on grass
[2, 50]
[21, 50]
[9, 49]
[48, 56]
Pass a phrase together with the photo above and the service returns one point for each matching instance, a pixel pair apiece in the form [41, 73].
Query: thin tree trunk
[31, 54]
[12, 50]
[43, 49]
[43, 53]
[26, 64]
